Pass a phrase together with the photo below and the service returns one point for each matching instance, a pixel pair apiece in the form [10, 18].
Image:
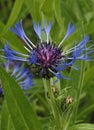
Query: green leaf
[57, 12]
[85, 111]
[47, 9]
[74, 80]
[1, 26]
[78, 9]
[22, 113]
[89, 75]
[34, 7]
[84, 126]
[14, 14]
[6, 123]
[66, 13]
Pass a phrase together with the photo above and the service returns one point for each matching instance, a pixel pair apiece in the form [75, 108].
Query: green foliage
[6, 122]
[14, 14]
[83, 127]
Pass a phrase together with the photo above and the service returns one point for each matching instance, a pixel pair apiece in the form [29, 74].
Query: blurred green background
[79, 12]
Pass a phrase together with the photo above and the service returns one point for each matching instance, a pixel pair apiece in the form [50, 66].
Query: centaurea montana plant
[51, 61]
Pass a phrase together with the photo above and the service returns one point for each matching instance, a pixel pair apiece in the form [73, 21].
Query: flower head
[48, 57]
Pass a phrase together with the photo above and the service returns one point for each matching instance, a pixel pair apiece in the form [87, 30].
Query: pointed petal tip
[37, 29]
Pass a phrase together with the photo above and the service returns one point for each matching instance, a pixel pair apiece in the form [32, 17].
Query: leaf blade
[22, 113]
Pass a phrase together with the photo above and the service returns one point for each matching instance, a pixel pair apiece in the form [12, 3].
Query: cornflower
[47, 56]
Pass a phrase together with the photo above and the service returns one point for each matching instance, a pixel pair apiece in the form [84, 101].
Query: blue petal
[38, 29]
[83, 42]
[12, 55]
[79, 50]
[18, 30]
[71, 62]
[21, 74]
[33, 58]
[86, 56]
[60, 76]
[1, 91]
[27, 83]
[47, 29]
[24, 78]
[59, 67]
[70, 30]
[15, 69]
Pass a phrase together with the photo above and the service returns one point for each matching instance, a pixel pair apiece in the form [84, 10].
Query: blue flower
[21, 74]
[48, 57]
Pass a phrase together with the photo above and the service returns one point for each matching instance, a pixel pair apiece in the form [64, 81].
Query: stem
[52, 102]
[80, 86]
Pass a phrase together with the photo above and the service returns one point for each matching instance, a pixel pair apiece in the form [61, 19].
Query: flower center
[48, 55]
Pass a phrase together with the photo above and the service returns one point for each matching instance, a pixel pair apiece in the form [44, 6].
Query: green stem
[52, 102]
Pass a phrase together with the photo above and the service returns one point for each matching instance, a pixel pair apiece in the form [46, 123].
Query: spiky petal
[13, 55]
[37, 29]
[18, 30]
[70, 30]
[47, 30]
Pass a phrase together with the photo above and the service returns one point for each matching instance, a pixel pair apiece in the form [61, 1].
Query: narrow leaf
[6, 123]
[83, 127]
[89, 75]
[22, 113]
[14, 14]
